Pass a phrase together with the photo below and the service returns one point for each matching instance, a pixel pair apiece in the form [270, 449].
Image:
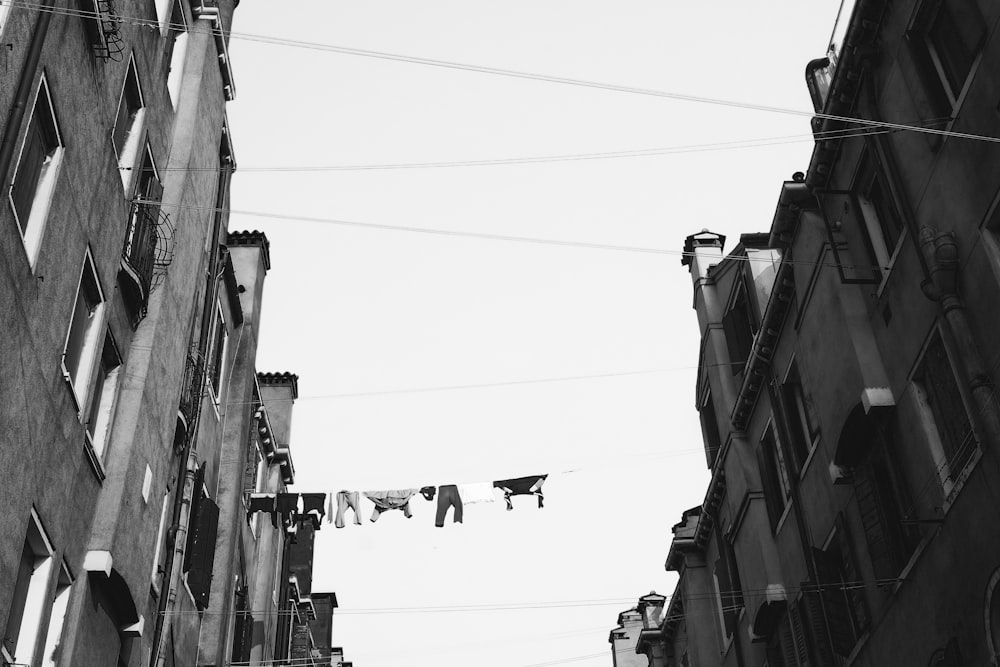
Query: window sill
[93, 458]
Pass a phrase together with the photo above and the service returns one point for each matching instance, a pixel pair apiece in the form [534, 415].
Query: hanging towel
[448, 497]
[398, 499]
[263, 502]
[522, 486]
[313, 506]
[478, 492]
[347, 499]
[288, 505]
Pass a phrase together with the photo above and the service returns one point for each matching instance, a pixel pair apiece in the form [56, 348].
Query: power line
[540, 159]
[447, 64]
[767, 259]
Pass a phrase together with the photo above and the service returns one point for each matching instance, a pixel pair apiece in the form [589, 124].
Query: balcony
[192, 392]
[103, 29]
[148, 251]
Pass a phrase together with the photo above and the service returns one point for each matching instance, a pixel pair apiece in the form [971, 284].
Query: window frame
[177, 31]
[950, 478]
[795, 401]
[128, 153]
[944, 96]
[32, 229]
[869, 173]
[80, 387]
[217, 369]
[710, 432]
[36, 605]
[104, 402]
[776, 480]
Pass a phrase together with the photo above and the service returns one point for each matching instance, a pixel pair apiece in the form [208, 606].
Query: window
[139, 252]
[163, 12]
[53, 640]
[941, 394]
[728, 588]
[786, 645]
[709, 428]
[883, 500]
[774, 474]
[30, 599]
[4, 12]
[36, 171]
[882, 221]
[103, 393]
[218, 354]
[82, 340]
[159, 555]
[178, 52]
[800, 412]
[739, 328]
[844, 603]
[949, 35]
[199, 556]
[128, 122]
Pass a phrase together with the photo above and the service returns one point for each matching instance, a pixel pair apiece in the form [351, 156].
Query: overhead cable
[516, 73]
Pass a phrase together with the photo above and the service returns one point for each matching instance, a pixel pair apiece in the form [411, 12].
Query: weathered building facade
[847, 372]
[137, 428]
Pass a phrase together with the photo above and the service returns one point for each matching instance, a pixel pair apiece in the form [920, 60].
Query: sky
[459, 356]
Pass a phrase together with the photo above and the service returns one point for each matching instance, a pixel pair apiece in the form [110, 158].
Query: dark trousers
[448, 497]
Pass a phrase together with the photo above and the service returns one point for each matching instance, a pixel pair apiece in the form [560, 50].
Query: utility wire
[539, 159]
[516, 73]
[767, 259]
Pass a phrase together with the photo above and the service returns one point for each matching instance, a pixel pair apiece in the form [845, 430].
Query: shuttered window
[843, 596]
[199, 556]
[937, 380]
[243, 628]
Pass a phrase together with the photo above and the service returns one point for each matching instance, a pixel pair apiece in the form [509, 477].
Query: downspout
[13, 125]
[941, 252]
[177, 535]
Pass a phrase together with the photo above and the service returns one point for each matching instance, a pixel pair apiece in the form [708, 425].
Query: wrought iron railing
[192, 389]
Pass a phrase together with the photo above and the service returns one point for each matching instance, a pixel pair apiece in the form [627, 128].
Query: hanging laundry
[313, 506]
[287, 506]
[347, 499]
[398, 499]
[448, 497]
[263, 502]
[522, 486]
[428, 492]
[477, 492]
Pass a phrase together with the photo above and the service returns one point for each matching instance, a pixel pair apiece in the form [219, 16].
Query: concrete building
[136, 426]
[847, 372]
[624, 638]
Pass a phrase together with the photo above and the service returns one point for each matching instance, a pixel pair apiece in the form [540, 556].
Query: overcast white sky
[356, 310]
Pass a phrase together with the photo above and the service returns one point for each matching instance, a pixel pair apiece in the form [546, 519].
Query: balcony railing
[147, 252]
[192, 390]
[103, 29]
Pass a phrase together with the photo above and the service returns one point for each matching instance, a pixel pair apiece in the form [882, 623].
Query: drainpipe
[177, 536]
[941, 252]
[23, 93]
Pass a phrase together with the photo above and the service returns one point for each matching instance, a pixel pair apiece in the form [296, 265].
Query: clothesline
[289, 509]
